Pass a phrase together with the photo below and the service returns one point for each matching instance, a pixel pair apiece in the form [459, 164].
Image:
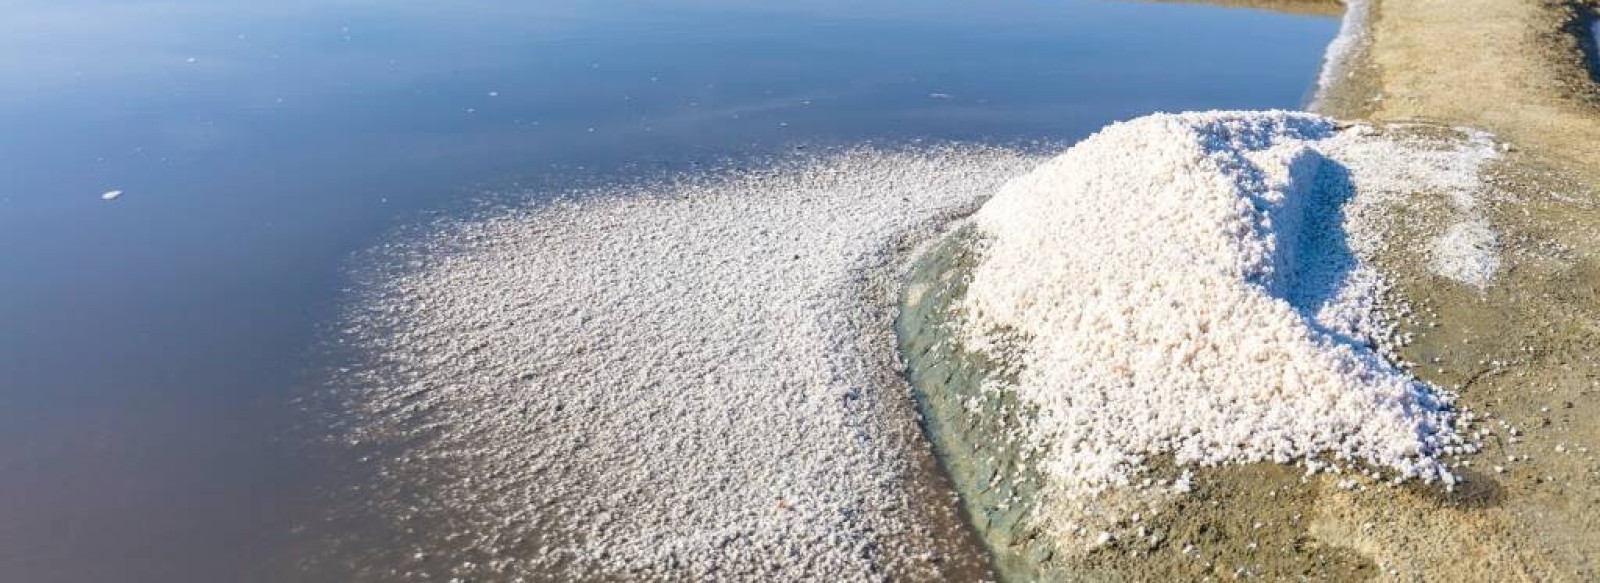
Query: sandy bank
[1517, 68]
[1523, 349]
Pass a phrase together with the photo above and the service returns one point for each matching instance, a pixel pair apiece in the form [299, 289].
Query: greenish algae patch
[972, 431]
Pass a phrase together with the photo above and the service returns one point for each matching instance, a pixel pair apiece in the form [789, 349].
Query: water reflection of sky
[150, 343]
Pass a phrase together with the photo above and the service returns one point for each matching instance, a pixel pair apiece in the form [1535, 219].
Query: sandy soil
[1523, 351]
[1514, 67]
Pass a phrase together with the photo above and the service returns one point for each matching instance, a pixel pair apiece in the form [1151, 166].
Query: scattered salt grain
[1467, 252]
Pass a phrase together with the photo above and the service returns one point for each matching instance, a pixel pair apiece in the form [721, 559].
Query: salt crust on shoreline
[689, 381]
[1340, 58]
[697, 380]
[1192, 285]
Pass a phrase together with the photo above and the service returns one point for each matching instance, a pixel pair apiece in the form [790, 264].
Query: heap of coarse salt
[1181, 285]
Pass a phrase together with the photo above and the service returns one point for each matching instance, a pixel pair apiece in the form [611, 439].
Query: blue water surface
[151, 345]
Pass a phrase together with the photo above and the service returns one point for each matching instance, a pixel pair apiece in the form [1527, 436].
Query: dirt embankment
[1519, 68]
[1523, 351]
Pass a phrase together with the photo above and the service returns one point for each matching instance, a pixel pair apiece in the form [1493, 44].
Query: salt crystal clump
[1468, 252]
[1179, 284]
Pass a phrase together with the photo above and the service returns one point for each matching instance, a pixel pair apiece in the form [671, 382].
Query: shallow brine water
[156, 339]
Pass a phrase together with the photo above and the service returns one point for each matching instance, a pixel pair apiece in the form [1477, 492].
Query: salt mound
[694, 380]
[1185, 285]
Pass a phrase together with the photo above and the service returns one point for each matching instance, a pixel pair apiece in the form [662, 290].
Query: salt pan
[683, 381]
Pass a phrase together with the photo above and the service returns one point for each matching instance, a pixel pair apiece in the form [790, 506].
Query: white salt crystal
[1165, 282]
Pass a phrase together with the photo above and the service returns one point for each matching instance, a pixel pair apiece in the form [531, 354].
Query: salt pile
[1193, 285]
[688, 381]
